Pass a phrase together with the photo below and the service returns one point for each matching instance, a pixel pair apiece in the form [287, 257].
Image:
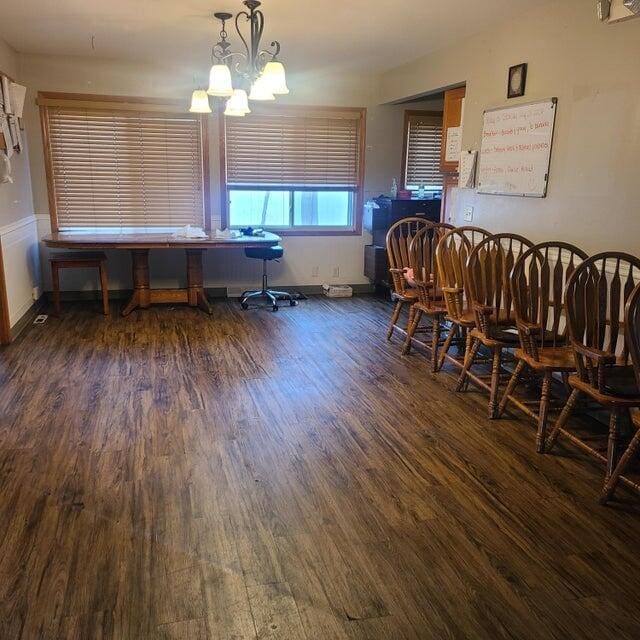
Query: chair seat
[621, 388]
[550, 358]
[621, 382]
[264, 253]
[506, 334]
[433, 309]
[77, 256]
[409, 295]
[498, 336]
[467, 320]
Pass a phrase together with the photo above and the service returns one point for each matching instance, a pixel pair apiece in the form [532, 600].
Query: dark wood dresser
[378, 222]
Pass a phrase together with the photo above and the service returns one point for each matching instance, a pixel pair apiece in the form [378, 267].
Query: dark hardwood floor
[286, 476]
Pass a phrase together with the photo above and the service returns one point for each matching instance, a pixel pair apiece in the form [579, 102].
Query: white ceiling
[352, 34]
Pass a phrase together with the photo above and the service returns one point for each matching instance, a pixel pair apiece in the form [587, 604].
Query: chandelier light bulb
[261, 90]
[220, 81]
[238, 104]
[275, 78]
[200, 102]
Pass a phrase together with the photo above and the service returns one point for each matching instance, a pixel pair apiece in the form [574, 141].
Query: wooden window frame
[356, 229]
[118, 103]
[408, 114]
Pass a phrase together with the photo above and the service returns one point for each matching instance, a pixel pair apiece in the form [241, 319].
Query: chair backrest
[399, 239]
[452, 253]
[632, 330]
[596, 296]
[489, 268]
[538, 282]
[422, 259]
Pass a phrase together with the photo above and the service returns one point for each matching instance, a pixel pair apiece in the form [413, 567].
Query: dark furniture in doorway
[379, 221]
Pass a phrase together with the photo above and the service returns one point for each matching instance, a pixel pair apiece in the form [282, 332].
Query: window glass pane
[322, 208]
[258, 208]
[427, 187]
[422, 162]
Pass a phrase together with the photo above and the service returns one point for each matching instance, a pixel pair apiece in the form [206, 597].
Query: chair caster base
[270, 295]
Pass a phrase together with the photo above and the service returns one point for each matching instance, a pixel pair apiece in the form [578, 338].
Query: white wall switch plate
[315, 272]
[468, 214]
[336, 272]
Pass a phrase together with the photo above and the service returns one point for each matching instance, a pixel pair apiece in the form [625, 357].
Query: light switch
[468, 214]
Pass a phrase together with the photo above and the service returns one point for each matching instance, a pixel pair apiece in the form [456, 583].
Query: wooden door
[452, 117]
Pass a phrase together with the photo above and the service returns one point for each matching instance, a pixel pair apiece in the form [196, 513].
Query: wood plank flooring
[286, 476]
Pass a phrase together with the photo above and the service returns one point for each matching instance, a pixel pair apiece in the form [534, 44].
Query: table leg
[195, 281]
[140, 267]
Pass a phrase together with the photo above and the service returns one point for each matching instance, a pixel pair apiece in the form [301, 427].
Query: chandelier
[259, 75]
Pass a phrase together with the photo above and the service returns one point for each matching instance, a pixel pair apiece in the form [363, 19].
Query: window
[123, 164]
[295, 169]
[423, 141]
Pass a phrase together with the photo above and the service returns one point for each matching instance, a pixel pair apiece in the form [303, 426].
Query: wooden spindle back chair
[632, 335]
[398, 241]
[452, 253]
[596, 296]
[422, 260]
[488, 271]
[537, 283]
[632, 330]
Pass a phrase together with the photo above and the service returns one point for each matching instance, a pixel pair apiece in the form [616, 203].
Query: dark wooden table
[139, 244]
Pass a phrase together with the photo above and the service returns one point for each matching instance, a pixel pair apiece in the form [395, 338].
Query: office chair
[265, 254]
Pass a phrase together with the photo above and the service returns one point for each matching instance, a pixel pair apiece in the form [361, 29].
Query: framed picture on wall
[517, 80]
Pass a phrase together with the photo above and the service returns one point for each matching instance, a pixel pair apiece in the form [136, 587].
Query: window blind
[424, 142]
[124, 168]
[295, 149]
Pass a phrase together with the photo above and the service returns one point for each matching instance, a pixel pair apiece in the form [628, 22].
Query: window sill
[312, 232]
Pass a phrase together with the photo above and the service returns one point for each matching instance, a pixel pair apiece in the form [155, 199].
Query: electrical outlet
[336, 272]
[468, 214]
[35, 293]
[315, 272]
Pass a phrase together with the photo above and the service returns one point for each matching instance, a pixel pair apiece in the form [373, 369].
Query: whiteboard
[516, 149]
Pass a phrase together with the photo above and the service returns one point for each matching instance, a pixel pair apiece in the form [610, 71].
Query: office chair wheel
[274, 308]
[244, 305]
[293, 303]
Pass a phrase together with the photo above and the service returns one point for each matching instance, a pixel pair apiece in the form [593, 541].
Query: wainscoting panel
[21, 265]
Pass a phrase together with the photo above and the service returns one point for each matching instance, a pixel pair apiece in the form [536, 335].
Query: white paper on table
[6, 93]
[6, 132]
[467, 169]
[454, 144]
[17, 92]
[227, 234]
[190, 231]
